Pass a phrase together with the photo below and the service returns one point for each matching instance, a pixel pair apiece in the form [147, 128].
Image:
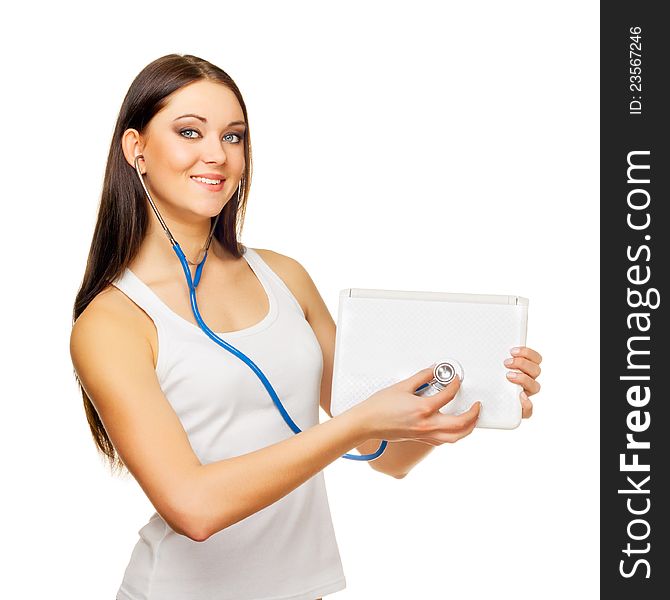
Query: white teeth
[210, 181]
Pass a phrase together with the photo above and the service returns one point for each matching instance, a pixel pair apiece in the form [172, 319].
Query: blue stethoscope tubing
[193, 283]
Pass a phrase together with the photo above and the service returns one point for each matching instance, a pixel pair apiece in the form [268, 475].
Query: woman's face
[176, 148]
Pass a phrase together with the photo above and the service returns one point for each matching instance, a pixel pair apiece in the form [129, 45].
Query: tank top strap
[137, 291]
[264, 271]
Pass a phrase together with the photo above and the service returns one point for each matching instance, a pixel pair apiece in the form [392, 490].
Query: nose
[213, 151]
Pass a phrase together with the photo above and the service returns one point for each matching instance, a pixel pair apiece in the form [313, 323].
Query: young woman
[241, 505]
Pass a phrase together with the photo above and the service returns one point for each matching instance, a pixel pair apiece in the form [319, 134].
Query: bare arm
[114, 362]
[399, 458]
[235, 488]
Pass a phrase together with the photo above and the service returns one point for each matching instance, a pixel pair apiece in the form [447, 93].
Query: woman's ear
[131, 144]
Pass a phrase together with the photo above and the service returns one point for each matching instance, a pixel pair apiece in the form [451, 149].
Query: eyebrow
[205, 120]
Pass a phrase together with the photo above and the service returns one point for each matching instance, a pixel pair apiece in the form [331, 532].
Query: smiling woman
[241, 505]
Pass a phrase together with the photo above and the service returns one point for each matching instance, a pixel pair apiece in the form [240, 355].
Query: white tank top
[286, 551]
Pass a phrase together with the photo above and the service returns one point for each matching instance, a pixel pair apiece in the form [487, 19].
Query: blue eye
[186, 136]
[239, 137]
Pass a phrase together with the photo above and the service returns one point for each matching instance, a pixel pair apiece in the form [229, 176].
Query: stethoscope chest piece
[444, 372]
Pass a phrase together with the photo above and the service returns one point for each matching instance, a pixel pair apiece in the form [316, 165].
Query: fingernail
[515, 351]
[508, 362]
[523, 395]
[512, 374]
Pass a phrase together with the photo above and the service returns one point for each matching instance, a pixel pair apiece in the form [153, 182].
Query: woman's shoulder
[110, 303]
[275, 259]
[112, 308]
[292, 273]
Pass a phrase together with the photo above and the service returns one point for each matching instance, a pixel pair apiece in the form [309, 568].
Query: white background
[389, 139]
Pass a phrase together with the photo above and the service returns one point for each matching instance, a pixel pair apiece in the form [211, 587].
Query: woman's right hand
[395, 413]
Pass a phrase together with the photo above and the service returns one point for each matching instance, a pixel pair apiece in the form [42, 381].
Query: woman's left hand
[527, 361]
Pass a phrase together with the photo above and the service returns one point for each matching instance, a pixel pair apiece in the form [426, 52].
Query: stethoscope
[193, 283]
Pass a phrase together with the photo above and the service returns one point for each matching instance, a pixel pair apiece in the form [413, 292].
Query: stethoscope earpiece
[137, 167]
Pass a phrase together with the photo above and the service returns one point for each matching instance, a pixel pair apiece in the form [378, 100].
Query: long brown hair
[123, 213]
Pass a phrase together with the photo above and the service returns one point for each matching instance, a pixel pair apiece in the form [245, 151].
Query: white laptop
[384, 336]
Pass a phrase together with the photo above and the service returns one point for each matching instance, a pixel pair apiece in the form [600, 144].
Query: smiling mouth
[210, 187]
[207, 181]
